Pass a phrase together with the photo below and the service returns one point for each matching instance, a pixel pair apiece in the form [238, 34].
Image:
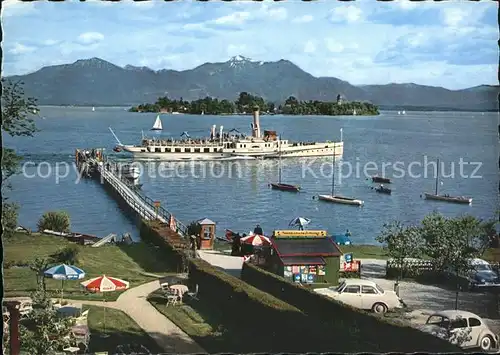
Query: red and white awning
[105, 284]
[256, 240]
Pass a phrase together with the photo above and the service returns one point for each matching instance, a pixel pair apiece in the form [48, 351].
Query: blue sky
[450, 44]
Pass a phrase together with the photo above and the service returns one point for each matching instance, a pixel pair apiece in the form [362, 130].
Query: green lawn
[127, 262]
[206, 325]
[365, 251]
[121, 329]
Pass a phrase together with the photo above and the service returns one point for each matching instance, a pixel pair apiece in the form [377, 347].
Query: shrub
[9, 218]
[57, 221]
[335, 315]
[67, 255]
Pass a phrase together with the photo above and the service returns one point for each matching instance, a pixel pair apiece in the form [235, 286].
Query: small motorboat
[117, 149]
[285, 187]
[383, 190]
[380, 179]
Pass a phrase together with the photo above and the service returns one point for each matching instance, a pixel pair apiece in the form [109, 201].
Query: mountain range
[97, 82]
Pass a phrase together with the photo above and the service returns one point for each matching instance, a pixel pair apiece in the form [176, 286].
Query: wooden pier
[97, 165]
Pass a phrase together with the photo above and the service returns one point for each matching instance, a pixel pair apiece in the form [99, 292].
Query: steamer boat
[229, 146]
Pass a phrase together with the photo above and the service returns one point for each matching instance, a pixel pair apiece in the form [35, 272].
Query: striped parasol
[256, 240]
[64, 272]
[105, 284]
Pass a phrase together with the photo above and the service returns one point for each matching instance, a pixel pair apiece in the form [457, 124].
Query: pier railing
[150, 213]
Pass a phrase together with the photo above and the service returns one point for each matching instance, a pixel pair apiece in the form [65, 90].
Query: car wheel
[379, 308]
[486, 343]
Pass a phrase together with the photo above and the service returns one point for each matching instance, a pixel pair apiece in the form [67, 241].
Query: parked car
[363, 294]
[465, 329]
[481, 274]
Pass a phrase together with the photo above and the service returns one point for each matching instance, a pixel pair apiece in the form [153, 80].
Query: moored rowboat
[285, 187]
[381, 179]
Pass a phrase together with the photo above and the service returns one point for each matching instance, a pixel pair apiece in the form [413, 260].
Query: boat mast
[437, 176]
[333, 171]
[279, 156]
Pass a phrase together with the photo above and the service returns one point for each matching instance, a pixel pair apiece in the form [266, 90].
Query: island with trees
[246, 101]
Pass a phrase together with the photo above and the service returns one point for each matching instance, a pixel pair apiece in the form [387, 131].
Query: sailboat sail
[157, 126]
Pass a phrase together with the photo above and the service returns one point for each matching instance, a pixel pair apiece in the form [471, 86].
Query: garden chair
[25, 308]
[172, 298]
[164, 287]
[83, 318]
[193, 295]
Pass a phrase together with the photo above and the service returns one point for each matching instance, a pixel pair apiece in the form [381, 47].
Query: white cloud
[303, 19]
[453, 17]
[16, 8]
[349, 13]
[310, 47]
[334, 46]
[236, 18]
[236, 49]
[90, 37]
[278, 14]
[50, 42]
[193, 26]
[19, 48]
[407, 4]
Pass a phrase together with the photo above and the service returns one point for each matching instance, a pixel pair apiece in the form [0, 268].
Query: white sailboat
[93, 109]
[399, 112]
[157, 126]
[404, 112]
[354, 113]
[336, 198]
[446, 198]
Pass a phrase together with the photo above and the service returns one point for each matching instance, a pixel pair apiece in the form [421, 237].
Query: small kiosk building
[207, 233]
[308, 256]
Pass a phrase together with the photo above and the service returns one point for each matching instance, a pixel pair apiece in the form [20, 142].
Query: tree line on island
[246, 102]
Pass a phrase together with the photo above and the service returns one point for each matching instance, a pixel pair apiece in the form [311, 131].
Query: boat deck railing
[142, 204]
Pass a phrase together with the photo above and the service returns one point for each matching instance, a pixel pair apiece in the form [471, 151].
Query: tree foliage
[246, 102]
[42, 331]
[57, 221]
[39, 265]
[401, 242]
[17, 120]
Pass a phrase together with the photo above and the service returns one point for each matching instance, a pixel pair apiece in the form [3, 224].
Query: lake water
[236, 194]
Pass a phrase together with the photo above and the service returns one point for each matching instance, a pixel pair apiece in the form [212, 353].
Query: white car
[465, 329]
[363, 294]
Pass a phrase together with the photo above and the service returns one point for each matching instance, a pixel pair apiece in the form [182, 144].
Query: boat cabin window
[187, 150]
[255, 146]
[206, 150]
[157, 150]
[168, 150]
[143, 150]
[177, 150]
[197, 150]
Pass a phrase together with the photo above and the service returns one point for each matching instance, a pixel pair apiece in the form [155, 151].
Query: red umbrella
[105, 284]
[256, 239]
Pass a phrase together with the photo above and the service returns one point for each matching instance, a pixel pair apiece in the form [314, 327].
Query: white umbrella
[256, 240]
[299, 221]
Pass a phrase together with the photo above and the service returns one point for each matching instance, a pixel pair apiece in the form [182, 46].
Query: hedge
[278, 326]
[390, 336]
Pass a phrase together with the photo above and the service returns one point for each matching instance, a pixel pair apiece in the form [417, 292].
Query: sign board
[299, 234]
[351, 267]
[348, 258]
[157, 204]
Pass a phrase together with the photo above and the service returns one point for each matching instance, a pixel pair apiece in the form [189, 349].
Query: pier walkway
[109, 173]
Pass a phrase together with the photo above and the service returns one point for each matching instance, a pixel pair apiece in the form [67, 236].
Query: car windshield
[380, 289]
[338, 288]
[483, 267]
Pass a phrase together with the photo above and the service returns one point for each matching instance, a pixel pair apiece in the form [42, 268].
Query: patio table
[69, 311]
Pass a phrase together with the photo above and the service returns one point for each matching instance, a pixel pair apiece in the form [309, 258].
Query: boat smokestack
[256, 122]
[221, 128]
[212, 132]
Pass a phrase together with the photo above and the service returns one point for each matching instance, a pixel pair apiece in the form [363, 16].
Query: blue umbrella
[64, 272]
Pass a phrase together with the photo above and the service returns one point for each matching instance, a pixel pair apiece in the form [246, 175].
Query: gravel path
[134, 303]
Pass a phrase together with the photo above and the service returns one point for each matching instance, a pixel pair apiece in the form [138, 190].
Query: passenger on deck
[258, 230]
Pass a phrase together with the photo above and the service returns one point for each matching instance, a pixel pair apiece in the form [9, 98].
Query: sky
[452, 44]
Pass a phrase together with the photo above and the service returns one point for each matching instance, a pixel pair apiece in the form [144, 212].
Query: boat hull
[451, 199]
[384, 191]
[286, 187]
[381, 179]
[157, 129]
[341, 200]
